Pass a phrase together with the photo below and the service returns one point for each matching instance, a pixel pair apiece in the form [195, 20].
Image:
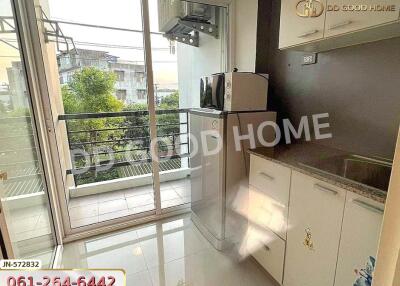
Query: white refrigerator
[219, 181]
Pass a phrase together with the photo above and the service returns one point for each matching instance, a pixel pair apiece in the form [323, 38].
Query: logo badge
[309, 8]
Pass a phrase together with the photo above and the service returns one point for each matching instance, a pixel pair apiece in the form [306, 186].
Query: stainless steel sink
[368, 171]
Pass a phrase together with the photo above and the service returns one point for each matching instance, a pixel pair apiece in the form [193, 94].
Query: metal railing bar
[20, 119]
[80, 116]
[125, 151]
[125, 128]
[33, 149]
[75, 171]
[123, 140]
[17, 136]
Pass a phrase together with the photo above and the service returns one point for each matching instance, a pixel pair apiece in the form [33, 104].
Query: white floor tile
[84, 221]
[172, 252]
[183, 192]
[112, 206]
[115, 215]
[139, 191]
[139, 201]
[112, 196]
[82, 212]
[139, 279]
[143, 209]
[169, 194]
[82, 201]
[172, 203]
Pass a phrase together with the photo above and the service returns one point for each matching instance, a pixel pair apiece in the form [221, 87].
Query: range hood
[183, 21]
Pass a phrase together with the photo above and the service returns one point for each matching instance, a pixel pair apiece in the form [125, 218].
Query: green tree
[170, 102]
[91, 90]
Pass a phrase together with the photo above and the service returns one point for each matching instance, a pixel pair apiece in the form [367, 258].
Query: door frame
[37, 78]
[30, 82]
[37, 86]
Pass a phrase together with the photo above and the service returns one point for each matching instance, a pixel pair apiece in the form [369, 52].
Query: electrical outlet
[309, 59]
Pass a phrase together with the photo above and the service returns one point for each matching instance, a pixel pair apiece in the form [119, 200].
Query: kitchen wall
[196, 62]
[358, 86]
[245, 34]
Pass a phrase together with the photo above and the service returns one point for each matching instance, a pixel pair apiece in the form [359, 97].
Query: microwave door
[206, 96]
[218, 92]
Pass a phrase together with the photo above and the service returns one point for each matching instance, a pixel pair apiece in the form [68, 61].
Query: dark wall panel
[358, 86]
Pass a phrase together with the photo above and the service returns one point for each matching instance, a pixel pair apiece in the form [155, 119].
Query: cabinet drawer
[270, 178]
[266, 212]
[315, 220]
[269, 250]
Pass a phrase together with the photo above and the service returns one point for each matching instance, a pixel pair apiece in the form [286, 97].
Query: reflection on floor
[103, 207]
[31, 233]
[167, 253]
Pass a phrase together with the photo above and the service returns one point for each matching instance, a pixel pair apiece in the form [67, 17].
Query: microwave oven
[236, 91]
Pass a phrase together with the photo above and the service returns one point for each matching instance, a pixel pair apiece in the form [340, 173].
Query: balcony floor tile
[107, 206]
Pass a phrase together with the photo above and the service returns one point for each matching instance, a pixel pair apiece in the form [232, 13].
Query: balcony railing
[18, 157]
[108, 146]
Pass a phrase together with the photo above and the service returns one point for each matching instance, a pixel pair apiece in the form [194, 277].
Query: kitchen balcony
[111, 164]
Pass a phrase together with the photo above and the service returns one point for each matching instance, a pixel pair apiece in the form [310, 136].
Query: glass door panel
[27, 226]
[101, 77]
[178, 66]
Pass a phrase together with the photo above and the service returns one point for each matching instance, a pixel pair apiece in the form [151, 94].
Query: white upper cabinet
[342, 18]
[315, 220]
[360, 236]
[301, 22]
[322, 25]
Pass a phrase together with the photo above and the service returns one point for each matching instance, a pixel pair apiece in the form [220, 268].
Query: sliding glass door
[121, 105]
[26, 224]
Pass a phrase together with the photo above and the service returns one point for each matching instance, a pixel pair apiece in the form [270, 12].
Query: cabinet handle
[265, 175]
[267, 248]
[325, 189]
[340, 25]
[308, 33]
[368, 206]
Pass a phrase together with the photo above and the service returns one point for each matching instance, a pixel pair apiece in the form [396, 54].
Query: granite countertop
[294, 155]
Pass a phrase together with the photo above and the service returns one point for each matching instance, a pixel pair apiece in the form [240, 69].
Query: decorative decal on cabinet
[365, 275]
[308, 240]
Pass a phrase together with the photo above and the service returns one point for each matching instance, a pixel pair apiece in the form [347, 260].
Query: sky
[116, 13]
[7, 53]
[122, 14]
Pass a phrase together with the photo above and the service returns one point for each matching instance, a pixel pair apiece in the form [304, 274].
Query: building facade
[131, 82]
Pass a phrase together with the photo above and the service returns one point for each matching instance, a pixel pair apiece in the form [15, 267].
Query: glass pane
[23, 194]
[102, 77]
[177, 69]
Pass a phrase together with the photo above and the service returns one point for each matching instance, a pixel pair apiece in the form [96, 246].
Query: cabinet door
[269, 195]
[298, 28]
[344, 21]
[360, 237]
[315, 220]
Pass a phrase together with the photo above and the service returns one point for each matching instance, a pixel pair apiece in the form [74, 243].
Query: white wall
[246, 34]
[196, 62]
[388, 259]
[211, 56]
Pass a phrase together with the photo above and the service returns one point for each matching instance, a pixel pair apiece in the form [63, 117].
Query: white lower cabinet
[268, 249]
[360, 237]
[315, 220]
[315, 235]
